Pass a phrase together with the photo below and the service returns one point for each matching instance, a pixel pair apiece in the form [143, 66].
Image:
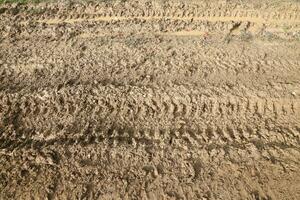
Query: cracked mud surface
[150, 100]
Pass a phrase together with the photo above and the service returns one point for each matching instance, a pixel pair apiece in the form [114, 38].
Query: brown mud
[150, 100]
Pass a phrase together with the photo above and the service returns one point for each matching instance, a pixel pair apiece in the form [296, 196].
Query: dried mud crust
[150, 100]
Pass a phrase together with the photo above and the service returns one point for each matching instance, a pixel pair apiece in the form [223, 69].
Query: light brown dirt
[150, 100]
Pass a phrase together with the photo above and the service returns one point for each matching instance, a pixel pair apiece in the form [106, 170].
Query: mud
[150, 100]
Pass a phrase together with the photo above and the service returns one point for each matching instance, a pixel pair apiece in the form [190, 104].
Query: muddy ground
[150, 100]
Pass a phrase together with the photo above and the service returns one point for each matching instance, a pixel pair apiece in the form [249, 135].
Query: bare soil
[150, 100]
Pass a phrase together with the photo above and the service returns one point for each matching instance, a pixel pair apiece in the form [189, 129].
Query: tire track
[81, 114]
[210, 15]
[100, 12]
[220, 136]
[115, 101]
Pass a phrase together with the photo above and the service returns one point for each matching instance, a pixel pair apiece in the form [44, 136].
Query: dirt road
[150, 100]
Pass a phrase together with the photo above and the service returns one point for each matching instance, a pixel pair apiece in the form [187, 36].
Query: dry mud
[150, 100]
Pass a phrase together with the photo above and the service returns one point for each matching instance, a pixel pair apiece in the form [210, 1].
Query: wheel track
[175, 105]
[194, 138]
[27, 115]
[185, 15]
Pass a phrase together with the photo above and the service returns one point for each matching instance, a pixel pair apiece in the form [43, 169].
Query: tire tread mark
[188, 14]
[199, 107]
[218, 135]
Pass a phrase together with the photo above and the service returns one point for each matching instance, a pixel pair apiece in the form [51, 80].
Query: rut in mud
[150, 100]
